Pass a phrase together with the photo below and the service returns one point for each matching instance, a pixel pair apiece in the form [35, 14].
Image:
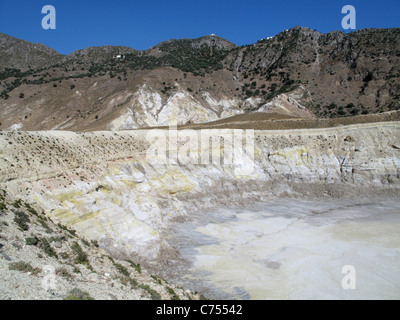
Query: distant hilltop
[299, 72]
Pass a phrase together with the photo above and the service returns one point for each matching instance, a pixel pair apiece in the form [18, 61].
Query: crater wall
[103, 185]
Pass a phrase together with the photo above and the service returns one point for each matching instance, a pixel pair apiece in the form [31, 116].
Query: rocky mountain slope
[299, 72]
[21, 54]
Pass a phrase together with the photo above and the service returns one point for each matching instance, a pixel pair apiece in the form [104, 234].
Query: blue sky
[142, 24]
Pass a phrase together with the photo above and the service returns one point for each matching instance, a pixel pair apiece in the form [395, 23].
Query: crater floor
[294, 249]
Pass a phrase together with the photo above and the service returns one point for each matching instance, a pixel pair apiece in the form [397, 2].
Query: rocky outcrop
[43, 260]
[145, 108]
[291, 104]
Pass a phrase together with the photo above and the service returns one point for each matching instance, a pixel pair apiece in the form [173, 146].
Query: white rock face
[182, 108]
[144, 107]
[289, 104]
[225, 107]
[141, 109]
[124, 122]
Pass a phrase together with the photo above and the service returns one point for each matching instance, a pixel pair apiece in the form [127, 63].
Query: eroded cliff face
[147, 108]
[104, 185]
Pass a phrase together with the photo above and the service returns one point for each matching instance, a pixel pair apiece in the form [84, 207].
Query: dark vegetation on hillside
[364, 63]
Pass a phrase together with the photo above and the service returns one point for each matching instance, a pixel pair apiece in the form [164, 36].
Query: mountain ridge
[332, 74]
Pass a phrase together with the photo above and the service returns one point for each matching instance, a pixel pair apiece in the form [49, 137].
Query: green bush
[249, 93]
[31, 210]
[81, 256]
[17, 204]
[121, 269]
[23, 267]
[45, 226]
[172, 293]
[153, 293]
[135, 266]
[78, 294]
[95, 243]
[332, 106]
[47, 248]
[64, 255]
[32, 241]
[63, 272]
[22, 220]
